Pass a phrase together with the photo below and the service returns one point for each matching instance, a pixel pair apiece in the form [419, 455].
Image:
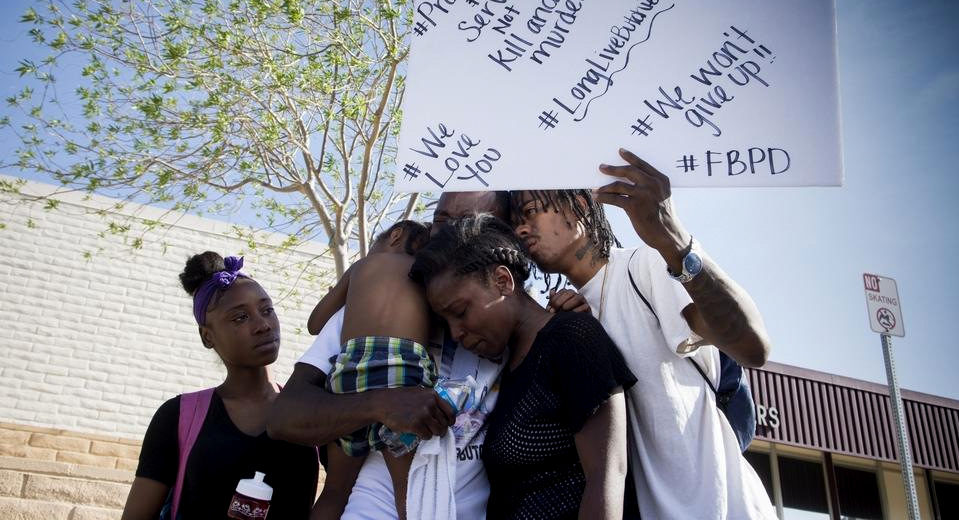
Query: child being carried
[386, 329]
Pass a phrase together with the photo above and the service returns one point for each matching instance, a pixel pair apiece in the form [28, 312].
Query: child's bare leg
[399, 468]
[342, 471]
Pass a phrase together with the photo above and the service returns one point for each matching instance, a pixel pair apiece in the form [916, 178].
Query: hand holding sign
[645, 195]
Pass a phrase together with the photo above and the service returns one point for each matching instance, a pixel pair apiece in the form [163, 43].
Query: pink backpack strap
[193, 409]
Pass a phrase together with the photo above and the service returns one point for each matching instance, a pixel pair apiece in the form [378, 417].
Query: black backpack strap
[636, 287]
[705, 377]
[650, 307]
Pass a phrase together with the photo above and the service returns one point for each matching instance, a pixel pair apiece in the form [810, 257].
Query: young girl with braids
[236, 319]
[556, 441]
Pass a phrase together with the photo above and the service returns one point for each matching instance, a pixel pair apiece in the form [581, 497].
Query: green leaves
[30, 16]
[26, 67]
[294, 11]
[60, 41]
[151, 107]
[174, 51]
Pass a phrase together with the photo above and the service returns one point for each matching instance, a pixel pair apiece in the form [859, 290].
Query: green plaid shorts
[374, 362]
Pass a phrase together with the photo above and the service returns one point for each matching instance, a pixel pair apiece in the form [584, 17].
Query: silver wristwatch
[692, 264]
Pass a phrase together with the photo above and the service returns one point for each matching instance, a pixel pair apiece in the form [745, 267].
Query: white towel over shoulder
[432, 480]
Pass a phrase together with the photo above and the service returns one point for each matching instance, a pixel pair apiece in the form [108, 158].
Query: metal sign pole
[905, 454]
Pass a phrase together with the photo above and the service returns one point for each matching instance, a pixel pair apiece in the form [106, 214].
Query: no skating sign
[882, 301]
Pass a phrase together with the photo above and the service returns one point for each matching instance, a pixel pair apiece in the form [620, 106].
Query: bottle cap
[255, 487]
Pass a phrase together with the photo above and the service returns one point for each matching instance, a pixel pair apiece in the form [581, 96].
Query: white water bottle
[251, 500]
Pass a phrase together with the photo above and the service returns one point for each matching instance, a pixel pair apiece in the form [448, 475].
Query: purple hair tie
[219, 280]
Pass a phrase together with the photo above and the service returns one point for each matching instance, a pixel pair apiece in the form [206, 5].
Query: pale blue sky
[801, 252]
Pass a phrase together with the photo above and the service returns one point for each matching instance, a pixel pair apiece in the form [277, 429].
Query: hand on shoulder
[566, 300]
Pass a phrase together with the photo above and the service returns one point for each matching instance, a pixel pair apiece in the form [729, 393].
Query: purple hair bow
[219, 280]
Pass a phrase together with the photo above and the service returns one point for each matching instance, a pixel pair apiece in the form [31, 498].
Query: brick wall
[96, 335]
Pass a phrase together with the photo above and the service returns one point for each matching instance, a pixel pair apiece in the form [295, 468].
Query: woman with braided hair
[556, 441]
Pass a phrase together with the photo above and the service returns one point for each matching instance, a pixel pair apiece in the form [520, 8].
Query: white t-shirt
[684, 455]
[372, 496]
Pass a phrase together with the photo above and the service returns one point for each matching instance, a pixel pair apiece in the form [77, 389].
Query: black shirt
[530, 451]
[221, 457]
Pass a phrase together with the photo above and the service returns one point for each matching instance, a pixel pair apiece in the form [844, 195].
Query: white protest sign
[882, 303]
[510, 94]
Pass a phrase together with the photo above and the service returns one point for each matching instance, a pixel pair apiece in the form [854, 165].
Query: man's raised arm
[722, 312]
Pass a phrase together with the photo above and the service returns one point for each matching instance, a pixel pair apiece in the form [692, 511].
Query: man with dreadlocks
[660, 302]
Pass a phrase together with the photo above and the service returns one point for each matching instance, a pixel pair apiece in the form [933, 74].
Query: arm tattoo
[726, 309]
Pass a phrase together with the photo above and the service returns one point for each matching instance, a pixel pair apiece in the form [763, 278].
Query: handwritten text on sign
[510, 94]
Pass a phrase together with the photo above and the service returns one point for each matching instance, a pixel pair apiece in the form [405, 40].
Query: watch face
[692, 263]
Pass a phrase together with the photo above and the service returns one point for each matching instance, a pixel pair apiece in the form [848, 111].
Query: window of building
[760, 462]
[858, 494]
[803, 489]
[947, 497]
